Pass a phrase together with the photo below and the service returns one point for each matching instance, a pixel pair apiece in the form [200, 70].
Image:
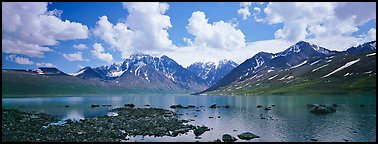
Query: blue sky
[44, 34]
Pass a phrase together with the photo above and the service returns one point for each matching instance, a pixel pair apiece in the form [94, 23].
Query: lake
[289, 120]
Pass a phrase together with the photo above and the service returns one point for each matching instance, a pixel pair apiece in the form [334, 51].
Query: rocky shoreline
[36, 127]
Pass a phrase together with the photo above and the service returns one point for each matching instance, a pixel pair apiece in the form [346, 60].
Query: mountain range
[140, 73]
[301, 68]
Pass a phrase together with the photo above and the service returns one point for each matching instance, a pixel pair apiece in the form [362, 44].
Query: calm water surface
[289, 120]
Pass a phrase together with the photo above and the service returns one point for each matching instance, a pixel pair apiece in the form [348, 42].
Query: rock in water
[200, 130]
[312, 105]
[259, 106]
[323, 109]
[228, 138]
[129, 105]
[191, 106]
[176, 106]
[248, 136]
[94, 105]
[213, 106]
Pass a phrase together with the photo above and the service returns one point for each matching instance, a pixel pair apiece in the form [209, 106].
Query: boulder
[259, 106]
[248, 136]
[228, 138]
[268, 108]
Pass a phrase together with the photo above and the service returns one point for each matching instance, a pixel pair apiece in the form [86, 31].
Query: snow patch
[290, 77]
[370, 54]
[315, 62]
[342, 67]
[320, 67]
[73, 74]
[367, 72]
[272, 77]
[304, 62]
[282, 78]
[116, 73]
[270, 71]
[137, 70]
[328, 61]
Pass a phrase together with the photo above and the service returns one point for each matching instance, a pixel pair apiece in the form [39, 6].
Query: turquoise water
[289, 120]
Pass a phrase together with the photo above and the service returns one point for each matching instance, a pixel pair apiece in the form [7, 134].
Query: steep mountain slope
[312, 72]
[212, 72]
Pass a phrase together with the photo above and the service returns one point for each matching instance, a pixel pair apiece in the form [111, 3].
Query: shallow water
[289, 119]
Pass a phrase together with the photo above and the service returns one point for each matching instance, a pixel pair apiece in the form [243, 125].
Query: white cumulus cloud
[80, 46]
[19, 60]
[99, 52]
[144, 30]
[372, 34]
[244, 12]
[74, 57]
[44, 64]
[318, 19]
[219, 35]
[28, 28]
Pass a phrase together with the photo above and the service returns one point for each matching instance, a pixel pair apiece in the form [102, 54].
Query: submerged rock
[248, 136]
[228, 138]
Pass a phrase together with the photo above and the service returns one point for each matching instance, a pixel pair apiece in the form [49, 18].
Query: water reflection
[289, 120]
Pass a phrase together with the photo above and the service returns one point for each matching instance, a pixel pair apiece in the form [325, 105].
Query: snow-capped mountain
[303, 68]
[146, 68]
[212, 72]
[364, 47]
[87, 73]
[296, 55]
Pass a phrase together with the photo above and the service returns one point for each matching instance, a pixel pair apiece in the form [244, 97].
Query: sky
[72, 35]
